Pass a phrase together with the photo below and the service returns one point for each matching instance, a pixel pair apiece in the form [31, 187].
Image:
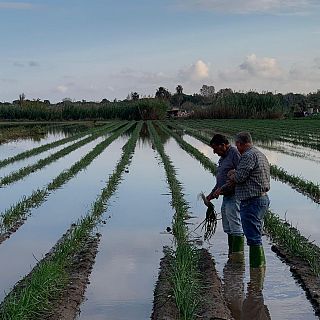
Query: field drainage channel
[48, 222]
[126, 269]
[281, 297]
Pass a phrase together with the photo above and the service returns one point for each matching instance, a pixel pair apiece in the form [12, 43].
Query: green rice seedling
[284, 234]
[33, 298]
[13, 215]
[23, 172]
[209, 224]
[48, 146]
[184, 274]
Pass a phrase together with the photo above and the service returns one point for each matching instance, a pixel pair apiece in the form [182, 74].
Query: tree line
[208, 103]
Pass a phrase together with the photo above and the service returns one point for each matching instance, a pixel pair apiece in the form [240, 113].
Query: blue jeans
[230, 212]
[252, 212]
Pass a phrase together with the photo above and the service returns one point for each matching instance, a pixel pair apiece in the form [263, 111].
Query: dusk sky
[53, 49]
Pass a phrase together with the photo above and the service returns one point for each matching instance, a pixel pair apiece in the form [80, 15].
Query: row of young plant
[231, 127]
[184, 259]
[23, 172]
[261, 134]
[303, 186]
[35, 151]
[298, 128]
[11, 218]
[283, 233]
[289, 149]
[33, 297]
[279, 230]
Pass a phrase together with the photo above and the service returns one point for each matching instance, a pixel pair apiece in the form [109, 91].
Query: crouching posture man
[252, 179]
[230, 211]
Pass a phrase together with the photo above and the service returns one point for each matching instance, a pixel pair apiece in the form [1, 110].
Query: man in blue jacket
[230, 211]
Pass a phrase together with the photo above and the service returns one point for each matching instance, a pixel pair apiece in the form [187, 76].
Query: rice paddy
[68, 194]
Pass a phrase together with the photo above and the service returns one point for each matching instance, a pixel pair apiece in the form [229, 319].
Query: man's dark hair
[219, 139]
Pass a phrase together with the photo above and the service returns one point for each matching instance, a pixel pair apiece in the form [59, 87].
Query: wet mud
[67, 307]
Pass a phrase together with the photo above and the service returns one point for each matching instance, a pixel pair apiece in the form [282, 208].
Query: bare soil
[213, 305]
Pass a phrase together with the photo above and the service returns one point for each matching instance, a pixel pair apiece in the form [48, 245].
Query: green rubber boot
[230, 242]
[256, 257]
[238, 244]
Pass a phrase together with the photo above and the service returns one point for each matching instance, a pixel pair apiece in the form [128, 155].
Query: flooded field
[109, 184]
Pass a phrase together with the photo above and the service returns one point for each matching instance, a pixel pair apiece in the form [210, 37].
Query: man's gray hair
[243, 137]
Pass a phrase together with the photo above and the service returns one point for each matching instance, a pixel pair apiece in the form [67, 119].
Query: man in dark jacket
[230, 211]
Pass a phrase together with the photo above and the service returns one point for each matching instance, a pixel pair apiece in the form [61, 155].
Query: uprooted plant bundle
[209, 224]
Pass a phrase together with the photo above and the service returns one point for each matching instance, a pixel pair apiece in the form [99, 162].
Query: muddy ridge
[66, 305]
[303, 274]
[212, 305]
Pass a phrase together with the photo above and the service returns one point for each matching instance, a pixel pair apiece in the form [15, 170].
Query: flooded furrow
[14, 192]
[12, 148]
[126, 269]
[33, 159]
[281, 297]
[48, 222]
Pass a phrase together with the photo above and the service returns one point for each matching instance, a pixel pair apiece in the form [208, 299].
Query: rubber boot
[238, 244]
[256, 257]
[230, 243]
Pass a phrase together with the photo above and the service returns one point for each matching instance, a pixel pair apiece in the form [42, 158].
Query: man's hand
[216, 194]
[231, 174]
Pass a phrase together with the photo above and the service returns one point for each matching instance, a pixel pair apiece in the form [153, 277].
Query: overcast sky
[81, 49]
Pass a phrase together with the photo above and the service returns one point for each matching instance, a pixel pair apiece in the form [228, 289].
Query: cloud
[196, 72]
[62, 89]
[16, 5]
[33, 64]
[18, 64]
[254, 68]
[261, 67]
[251, 6]
[24, 64]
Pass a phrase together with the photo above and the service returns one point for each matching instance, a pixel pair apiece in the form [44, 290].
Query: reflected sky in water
[126, 268]
[48, 222]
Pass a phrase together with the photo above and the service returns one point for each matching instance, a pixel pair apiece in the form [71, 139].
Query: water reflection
[233, 286]
[244, 307]
[253, 306]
